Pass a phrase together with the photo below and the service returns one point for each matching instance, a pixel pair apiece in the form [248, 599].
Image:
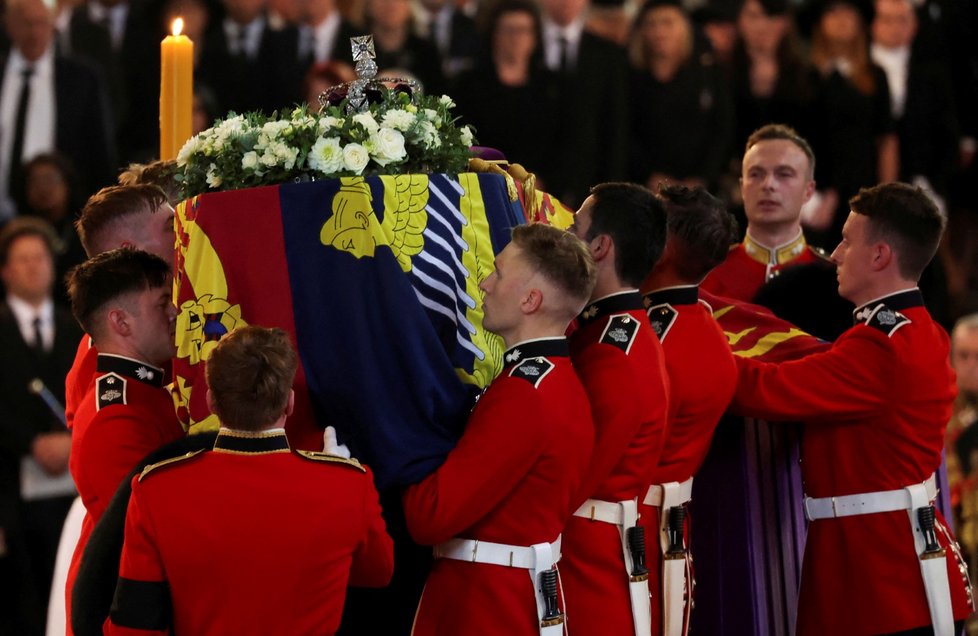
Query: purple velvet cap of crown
[488, 154]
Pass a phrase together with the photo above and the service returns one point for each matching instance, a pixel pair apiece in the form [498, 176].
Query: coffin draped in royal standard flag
[376, 280]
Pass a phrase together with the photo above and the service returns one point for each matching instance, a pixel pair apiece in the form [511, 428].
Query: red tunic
[511, 479]
[79, 378]
[702, 379]
[248, 539]
[125, 415]
[875, 406]
[622, 366]
[749, 265]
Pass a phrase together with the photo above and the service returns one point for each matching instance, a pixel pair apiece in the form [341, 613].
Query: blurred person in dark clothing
[681, 116]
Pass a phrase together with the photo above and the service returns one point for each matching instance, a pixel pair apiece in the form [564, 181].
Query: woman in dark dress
[681, 116]
[510, 98]
[854, 138]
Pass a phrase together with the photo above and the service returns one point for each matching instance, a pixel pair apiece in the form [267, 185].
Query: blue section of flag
[379, 346]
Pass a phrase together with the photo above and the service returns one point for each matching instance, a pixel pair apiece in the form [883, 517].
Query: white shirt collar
[25, 313]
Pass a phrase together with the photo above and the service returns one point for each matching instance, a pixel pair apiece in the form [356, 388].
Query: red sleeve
[112, 446]
[612, 388]
[142, 603]
[499, 446]
[850, 379]
[373, 561]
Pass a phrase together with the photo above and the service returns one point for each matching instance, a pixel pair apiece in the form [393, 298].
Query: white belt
[676, 572]
[864, 503]
[535, 559]
[624, 515]
[597, 510]
[654, 496]
[511, 556]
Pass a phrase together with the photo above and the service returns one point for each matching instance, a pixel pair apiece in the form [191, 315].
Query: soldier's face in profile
[503, 291]
[152, 320]
[582, 219]
[854, 258]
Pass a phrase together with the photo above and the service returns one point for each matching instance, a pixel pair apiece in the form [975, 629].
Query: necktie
[307, 46]
[20, 124]
[238, 42]
[564, 54]
[38, 344]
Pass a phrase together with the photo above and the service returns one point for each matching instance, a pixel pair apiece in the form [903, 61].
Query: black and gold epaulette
[661, 317]
[169, 462]
[620, 332]
[109, 389]
[886, 320]
[319, 456]
[533, 370]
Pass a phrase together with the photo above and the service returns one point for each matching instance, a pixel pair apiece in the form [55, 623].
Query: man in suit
[38, 340]
[249, 65]
[324, 34]
[595, 91]
[122, 40]
[454, 33]
[48, 102]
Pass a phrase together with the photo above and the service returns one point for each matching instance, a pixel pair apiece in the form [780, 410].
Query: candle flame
[177, 26]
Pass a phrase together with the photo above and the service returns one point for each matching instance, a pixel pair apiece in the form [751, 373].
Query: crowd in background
[660, 92]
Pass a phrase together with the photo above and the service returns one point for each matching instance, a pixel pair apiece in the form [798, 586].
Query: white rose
[326, 156]
[368, 122]
[466, 134]
[250, 160]
[286, 155]
[213, 179]
[325, 123]
[398, 119]
[428, 135]
[387, 146]
[355, 157]
[446, 101]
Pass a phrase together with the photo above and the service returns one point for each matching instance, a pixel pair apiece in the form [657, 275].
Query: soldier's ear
[883, 256]
[118, 321]
[531, 301]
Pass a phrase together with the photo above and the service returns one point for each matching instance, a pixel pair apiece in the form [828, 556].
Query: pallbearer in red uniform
[621, 364]
[495, 509]
[136, 216]
[122, 299]
[777, 179]
[702, 378]
[251, 538]
[879, 558]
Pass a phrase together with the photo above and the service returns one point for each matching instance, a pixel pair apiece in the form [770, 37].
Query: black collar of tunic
[129, 368]
[685, 295]
[614, 304]
[247, 443]
[541, 348]
[897, 302]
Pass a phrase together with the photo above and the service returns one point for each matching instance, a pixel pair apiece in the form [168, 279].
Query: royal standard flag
[376, 280]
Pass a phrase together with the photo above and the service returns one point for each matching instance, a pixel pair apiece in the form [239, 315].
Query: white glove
[331, 446]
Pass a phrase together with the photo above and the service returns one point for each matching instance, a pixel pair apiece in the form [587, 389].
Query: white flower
[386, 146]
[368, 122]
[398, 119]
[446, 101]
[326, 156]
[213, 179]
[250, 160]
[432, 116]
[355, 157]
[428, 135]
[325, 123]
[189, 148]
[466, 134]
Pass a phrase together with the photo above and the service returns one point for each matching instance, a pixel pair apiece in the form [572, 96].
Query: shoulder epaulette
[109, 389]
[662, 317]
[319, 456]
[886, 320]
[620, 332]
[170, 461]
[822, 254]
[533, 370]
